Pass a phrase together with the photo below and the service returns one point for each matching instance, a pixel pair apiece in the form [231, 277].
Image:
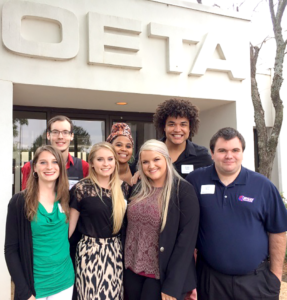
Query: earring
[35, 175]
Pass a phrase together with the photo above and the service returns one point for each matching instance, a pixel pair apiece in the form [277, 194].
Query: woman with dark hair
[163, 217]
[98, 206]
[122, 140]
[36, 244]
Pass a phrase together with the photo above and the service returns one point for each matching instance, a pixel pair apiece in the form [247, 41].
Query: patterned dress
[99, 266]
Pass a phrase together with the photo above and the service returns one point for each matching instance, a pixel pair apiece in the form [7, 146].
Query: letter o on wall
[12, 14]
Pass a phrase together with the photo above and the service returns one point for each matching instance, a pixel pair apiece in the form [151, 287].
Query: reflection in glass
[86, 134]
[141, 132]
[29, 133]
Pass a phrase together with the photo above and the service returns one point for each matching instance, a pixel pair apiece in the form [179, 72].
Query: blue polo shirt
[235, 219]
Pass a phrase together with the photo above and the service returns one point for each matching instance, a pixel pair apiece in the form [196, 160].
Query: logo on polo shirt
[246, 199]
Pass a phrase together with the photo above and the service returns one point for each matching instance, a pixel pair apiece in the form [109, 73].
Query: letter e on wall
[114, 41]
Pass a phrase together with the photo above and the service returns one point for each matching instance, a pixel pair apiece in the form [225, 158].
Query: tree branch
[280, 10]
[259, 115]
[256, 5]
[272, 13]
[267, 154]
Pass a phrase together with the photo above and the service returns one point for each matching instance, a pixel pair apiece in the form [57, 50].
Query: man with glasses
[60, 134]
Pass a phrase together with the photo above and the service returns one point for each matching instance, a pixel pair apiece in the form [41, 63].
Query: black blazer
[177, 241]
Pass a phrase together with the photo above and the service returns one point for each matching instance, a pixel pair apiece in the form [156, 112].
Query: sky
[261, 24]
[258, 10]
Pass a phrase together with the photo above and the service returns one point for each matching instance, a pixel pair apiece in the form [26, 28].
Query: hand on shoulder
[135, 178]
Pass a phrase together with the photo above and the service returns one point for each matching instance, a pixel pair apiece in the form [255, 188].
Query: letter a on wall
[14, 11]
[205, 60]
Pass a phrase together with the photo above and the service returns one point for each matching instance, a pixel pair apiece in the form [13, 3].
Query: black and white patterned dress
[99, 261]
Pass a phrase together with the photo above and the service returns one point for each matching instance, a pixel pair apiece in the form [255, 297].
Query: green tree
[16, 123]
[82, 138]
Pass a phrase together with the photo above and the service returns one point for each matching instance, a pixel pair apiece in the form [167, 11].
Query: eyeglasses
[65, 133]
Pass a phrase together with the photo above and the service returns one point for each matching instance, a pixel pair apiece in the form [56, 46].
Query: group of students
[135, 227]
[155, 221]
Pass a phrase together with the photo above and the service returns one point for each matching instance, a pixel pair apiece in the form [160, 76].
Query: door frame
[83, 114]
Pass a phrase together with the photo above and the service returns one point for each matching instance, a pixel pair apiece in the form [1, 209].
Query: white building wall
[219, 117]
[6, 133]
[90, 54]
[163, 65]
[237, 114]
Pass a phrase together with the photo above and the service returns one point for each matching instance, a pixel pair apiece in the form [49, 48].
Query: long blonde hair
[118, 202]
[61, 188]
[145, 189]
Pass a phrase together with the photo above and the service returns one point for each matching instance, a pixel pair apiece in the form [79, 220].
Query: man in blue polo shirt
[242, 239]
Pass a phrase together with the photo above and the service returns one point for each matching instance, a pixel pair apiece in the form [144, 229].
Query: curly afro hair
[176, 108]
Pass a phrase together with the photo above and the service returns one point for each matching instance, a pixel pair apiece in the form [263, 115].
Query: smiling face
[104, 164]
[176, 130]
[228, 156]
[59, 141]
[154, 167]
[124, 148]
[47, 167]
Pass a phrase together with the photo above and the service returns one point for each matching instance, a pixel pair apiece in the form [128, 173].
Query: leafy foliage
[15, 125]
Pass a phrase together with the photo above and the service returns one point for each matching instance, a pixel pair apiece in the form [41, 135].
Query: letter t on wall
[175, 36]
[114, 41]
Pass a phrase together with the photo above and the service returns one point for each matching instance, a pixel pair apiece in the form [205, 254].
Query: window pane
[86, 134]
[29, 133]
[141, 132]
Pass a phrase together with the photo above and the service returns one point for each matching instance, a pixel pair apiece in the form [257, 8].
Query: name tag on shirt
[72, 183]
[207, 189]
[186, 169]
[60, 208]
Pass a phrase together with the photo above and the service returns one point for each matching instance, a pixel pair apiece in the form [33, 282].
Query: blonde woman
[36, 244]
[163, 217]
[97, 204]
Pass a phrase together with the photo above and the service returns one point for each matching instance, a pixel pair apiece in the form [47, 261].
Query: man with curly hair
[178, 120]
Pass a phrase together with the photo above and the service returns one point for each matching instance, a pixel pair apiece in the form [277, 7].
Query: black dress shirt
[192, 158]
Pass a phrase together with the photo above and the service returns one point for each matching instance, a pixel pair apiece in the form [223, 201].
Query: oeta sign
[121, 35]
